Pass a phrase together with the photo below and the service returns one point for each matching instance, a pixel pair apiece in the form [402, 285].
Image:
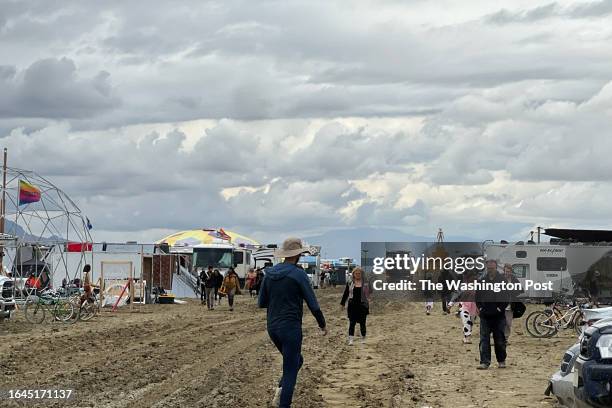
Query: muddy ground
[186, 356]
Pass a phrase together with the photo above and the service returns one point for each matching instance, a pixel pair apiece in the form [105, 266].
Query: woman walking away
[209, 287]
[232, 287]
[218, 281]
[357, 292]
[258, 279]
[251, 281]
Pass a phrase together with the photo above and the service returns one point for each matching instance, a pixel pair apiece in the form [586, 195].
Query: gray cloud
[52, 88]
[524, 16]
[589, 9]
[320, 116]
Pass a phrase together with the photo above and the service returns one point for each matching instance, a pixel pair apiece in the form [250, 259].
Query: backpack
[518, 309]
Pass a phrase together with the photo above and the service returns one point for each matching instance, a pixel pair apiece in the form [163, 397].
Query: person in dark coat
[202, 278]
[357, 292]
[283, 292]
[446, 292]
[218, 282]
[492, 311]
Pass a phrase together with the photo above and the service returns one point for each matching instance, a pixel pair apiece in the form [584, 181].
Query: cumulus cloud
[308, 116]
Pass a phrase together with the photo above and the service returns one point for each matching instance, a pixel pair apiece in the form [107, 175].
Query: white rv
[220, 256]
[567, 265]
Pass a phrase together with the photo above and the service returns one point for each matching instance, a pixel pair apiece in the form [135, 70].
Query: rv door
[242, 262]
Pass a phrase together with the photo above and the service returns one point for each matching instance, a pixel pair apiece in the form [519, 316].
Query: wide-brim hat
[291, 247]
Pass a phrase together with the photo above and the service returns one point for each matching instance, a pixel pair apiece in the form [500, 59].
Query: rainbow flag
[28, 193]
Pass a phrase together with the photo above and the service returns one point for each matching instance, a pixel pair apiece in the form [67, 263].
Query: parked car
[594, 315]
[561, 384]
[593, 381]
[7, 301]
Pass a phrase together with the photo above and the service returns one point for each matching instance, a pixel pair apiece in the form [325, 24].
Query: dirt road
[186, 356]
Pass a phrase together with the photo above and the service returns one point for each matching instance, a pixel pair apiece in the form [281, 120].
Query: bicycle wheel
[34, 311]
[64, 311]
[88, 310]
[529, 324]
[579, 323]
[540, 324]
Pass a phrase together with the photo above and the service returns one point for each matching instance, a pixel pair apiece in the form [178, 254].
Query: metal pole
[3, 207]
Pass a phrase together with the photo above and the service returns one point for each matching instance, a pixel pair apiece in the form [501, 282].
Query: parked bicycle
[564, 313]
[38, 305]
[89, 308]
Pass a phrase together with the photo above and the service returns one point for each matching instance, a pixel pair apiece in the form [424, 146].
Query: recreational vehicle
[566, 262]
[220, 256]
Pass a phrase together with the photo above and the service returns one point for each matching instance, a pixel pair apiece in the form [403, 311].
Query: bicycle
[37, 306]
[548, 322]
[89, 308]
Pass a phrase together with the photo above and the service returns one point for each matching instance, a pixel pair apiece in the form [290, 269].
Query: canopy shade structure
[580, 235]
[207, 236]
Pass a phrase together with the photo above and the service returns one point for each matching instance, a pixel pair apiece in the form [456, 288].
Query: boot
[350, 340]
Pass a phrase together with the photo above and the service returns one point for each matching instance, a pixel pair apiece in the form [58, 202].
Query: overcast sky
[300, 117]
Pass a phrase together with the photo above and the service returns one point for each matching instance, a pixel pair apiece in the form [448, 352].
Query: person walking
[258, 280]
[202, 278]
[445, 292]
[218, 282]
[333, 277]
[283, 291]
[209, 287]
[250, 281]
[357, 292]
[510, 278]
[87, 285]
[232, 287]
[468, 311]
[492, 310]
[428, 294]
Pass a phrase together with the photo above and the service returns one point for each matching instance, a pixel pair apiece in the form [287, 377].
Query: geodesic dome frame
[46, 225]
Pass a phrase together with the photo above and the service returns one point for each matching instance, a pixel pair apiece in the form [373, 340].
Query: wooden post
[130, 282]
[102, 285]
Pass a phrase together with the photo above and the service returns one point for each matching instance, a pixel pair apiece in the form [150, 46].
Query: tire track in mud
[185, 356]
[135, 353]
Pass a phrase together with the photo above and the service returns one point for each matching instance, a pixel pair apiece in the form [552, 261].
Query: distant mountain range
[347, 242]
[12, 228]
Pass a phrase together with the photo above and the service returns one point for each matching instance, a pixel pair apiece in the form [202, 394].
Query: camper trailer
[568, 265]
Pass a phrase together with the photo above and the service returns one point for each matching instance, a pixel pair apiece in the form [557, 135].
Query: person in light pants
[510, 278]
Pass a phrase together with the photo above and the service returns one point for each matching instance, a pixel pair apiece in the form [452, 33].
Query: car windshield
[216, 257]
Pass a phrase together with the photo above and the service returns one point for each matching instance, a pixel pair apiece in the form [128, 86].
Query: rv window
[552, 264]
[520, 270]
[248, 261]
[216, 257]
[521, 254]
[238, 257]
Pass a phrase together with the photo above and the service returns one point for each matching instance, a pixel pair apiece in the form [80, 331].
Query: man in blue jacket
[284, 289]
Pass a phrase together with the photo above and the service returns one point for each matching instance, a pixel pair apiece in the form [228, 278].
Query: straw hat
[291, 247]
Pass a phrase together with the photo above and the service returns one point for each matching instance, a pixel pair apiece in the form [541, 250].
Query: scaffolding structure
[34, 235]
